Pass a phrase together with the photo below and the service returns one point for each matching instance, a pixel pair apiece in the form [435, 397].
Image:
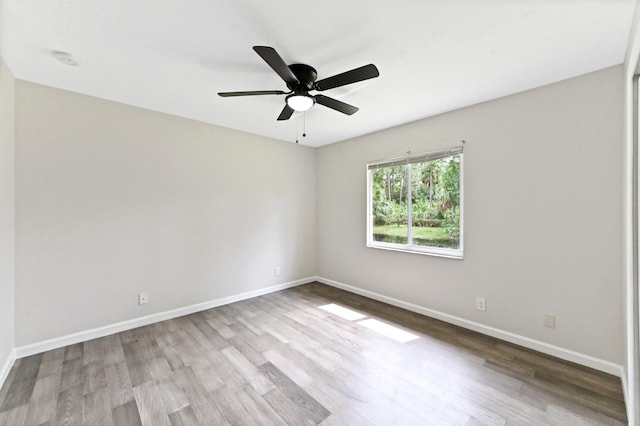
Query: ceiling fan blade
[274, 60]
[336, 104]
[286, 113]
[358, 74]
[252, 93]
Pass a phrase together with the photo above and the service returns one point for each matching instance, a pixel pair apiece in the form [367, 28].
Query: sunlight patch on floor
[342, 312]
[385, 329]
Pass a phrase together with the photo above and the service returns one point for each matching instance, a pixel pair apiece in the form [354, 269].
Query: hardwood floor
[282, 359]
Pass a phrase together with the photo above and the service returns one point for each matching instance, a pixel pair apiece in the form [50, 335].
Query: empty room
[335, 213]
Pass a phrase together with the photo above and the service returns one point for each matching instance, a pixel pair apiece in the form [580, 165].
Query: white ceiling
[434, 56]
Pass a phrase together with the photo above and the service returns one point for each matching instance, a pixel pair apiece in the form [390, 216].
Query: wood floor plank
[605, 404]
[42, 405]
[208, 336]
[105, 350]
[51, 363]
[234, 412]
[394, 397]
[339, 419]
[200, 399]
[97, 408]
[138, 372]
[150, 405]
[247, 347]
[281, 359]
[22, 384]
[560, 416]
[553, 403]
[172, 396]
[223, 329]
[93, 351]
[183, 417]
[252, 375]
[580, 374]
[307, 407]
[70, 405]
[160, 369]
[111, 350]
[217, 367]
[348, 408]
[289, 367]
[225, 313]
[14, 416]
[251, 327]
[95, 377]
[126, 414]
[19, 393]
[169, 349]
[258, 408]
[72, 373]
[210, 377]
[190, 352]
[72, 352]
[119, 384]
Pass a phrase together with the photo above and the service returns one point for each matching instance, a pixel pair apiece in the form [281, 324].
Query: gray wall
[7, 207]
[543, 223]
[112, 200]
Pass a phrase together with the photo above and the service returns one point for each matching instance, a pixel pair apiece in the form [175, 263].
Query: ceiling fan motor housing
[305, 74]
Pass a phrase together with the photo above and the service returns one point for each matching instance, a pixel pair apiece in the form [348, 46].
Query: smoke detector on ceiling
[66, 58]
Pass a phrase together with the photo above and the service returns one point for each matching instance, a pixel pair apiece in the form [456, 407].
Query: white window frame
[410, 247]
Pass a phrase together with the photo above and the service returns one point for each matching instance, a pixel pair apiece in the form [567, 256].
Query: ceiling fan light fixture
[300, 79]
[300, 102]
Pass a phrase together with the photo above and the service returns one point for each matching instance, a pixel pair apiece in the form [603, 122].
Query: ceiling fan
[301, 79]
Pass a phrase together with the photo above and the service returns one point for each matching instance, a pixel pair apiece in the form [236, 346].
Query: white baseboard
[107, 330]
[566, 354]
[6, 366]
[625, 394]
[543, 347]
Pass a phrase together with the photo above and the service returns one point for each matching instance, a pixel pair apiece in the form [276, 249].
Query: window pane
[389, 203]
[436, 203]
[416, 206]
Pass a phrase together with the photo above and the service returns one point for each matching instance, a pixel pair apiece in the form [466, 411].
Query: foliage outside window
[415, 203]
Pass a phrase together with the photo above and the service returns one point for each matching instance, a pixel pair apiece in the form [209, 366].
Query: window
[415, 203]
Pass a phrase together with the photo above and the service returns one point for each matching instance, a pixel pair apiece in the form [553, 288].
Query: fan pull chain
[304, 127]
[304, 124]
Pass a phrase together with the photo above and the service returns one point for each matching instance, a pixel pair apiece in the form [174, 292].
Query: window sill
[429, 251]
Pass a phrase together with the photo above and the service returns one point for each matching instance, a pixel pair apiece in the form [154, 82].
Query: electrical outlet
[481, 304]
[143, 298]
[277, 271]
[549, 321]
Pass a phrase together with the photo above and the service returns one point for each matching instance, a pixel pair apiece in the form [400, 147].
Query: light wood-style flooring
[282, 359]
